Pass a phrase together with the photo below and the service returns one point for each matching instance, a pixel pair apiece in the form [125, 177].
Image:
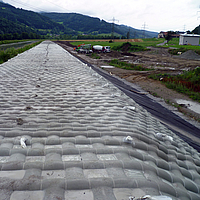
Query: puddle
[15, 45]
[107, 66]
[194, 106]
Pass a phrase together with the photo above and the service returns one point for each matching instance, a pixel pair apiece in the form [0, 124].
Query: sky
[151, 15]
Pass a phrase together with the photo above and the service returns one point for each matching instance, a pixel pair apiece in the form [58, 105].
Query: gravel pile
[190, 55]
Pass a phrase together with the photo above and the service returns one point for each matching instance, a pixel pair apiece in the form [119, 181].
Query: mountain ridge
[94, 25]
[17, 20]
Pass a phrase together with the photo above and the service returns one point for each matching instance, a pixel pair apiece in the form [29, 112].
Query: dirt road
[157, 58]
[181, 120]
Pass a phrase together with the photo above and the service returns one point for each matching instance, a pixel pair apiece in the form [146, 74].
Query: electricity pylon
[113, 26]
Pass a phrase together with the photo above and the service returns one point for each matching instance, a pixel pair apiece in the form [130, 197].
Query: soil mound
[66, 43]
[189, 55]
[126, 47]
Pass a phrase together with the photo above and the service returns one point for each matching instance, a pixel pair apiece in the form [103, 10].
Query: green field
[144, 42]
[175, 43]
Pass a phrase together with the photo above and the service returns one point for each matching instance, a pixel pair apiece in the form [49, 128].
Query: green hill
[15, 20]
[92, 25]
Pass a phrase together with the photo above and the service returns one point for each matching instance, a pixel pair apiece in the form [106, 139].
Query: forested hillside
[18, 23]
[92, 25]
[14, 20]
[196, 30]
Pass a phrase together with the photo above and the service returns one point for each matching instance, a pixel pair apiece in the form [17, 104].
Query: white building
[189, 39]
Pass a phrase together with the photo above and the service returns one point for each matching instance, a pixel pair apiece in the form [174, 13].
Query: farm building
[189, 39]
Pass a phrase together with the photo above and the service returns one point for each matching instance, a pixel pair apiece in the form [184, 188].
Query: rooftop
[68, 133]
[190, 35]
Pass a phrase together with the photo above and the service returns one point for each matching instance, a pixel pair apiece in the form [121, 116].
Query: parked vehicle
[99, 48]
[83, 48]
[86, 48]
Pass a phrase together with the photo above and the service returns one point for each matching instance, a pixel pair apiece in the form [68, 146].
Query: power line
[143, 27]
[28, 5]
[57, 5]
[113, 26]
[36, 8]
[184, 27]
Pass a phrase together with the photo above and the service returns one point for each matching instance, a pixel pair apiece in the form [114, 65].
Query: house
[176, 34]
[189, 39]
[162, 34]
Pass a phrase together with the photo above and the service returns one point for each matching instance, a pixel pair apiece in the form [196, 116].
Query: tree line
[20, 36]
[99, 37]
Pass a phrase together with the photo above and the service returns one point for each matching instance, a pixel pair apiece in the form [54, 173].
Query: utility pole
[184, 27]
[144, 27]
[197, 19]
[113, 26]
[128, 34]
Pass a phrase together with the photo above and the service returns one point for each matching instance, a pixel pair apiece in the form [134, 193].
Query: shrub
[187, 83]
[129, 47]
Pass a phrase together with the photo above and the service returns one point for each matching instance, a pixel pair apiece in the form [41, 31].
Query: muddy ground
[157, 58]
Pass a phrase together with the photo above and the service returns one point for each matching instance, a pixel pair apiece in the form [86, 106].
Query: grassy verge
[13, 41]
[128, 66]
[95, 56]
[12, 52]
[150, 42]
[187, 83]
[180, 48]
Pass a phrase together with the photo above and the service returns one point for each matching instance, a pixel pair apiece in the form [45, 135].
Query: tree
[16, 36]
[196, 30]
[169, 35]
[8, 36]
[128, 35]
[188, 32]
[25, 35]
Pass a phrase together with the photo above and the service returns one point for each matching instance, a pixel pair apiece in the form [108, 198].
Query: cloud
[158, 15]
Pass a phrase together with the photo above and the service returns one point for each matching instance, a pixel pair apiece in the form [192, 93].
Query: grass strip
[187, 83]
[128, 66]
[9, 53]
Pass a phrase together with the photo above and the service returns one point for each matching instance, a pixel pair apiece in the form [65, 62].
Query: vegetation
[11, 41]
[128, 47]
[187, 83]
[128, 66]
[142, 42]
[196, 30]
[101, 36]
[169, 35]
[16, 36]
[174, 42]
[61, 25]
[12, 52]
[95, 56]
[87, 26]
[147, 42]
[14, 20]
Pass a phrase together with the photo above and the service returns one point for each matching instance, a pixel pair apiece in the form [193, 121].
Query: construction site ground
[157, 58]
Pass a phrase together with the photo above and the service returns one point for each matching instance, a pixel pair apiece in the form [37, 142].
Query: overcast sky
[154, 15]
